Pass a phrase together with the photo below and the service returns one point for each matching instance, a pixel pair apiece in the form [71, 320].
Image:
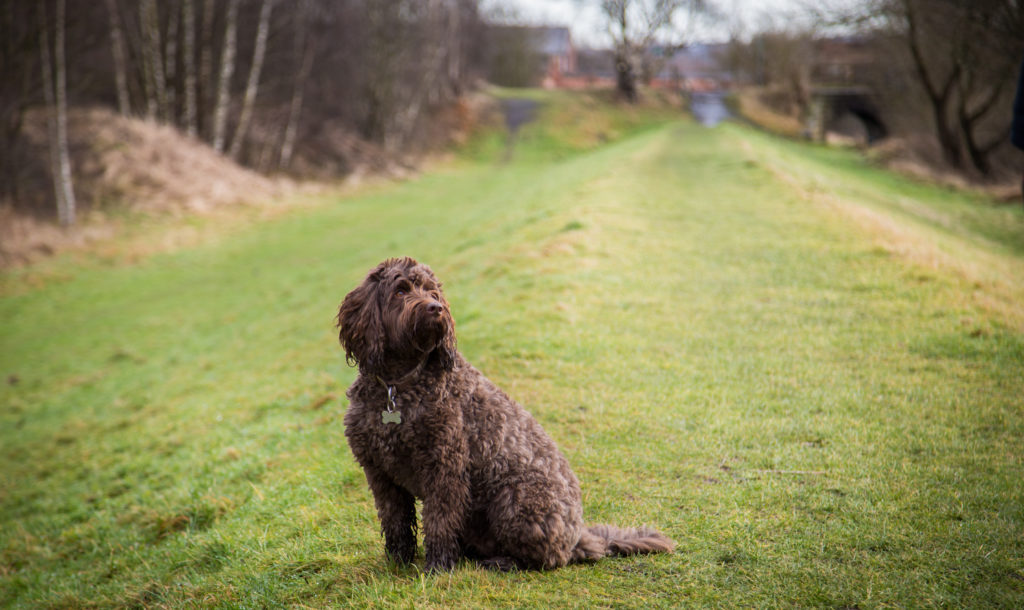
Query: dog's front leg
[396, 509]
[445, 507]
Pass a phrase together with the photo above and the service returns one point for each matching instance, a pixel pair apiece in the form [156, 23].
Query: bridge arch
[830, 105]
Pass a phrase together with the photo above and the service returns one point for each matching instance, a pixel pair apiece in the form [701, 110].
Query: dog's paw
[499, 564]
[439, 563]
[400, 548]
[403, 554]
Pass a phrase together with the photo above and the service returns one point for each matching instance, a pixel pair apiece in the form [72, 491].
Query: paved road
[709, 108]
[518, 112]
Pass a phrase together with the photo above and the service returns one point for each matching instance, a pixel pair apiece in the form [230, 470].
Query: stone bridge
[850, 110]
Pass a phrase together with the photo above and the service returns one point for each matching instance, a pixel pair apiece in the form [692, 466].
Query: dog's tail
[600, 541]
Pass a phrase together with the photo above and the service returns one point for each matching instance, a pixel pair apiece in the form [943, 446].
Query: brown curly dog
[423, 423]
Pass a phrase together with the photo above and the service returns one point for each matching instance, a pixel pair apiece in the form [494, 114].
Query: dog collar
[393, 415]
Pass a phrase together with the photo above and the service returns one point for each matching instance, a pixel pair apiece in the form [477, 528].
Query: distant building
[520, 56]
[595, 68]
[696, 67]
[528, 55]
[555, 45]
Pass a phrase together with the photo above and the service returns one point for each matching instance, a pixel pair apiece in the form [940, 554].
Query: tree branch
[915, 51]
[994, 94]
[996, 142]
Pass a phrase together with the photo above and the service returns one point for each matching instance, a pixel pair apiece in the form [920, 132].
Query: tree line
[943, 67]
[255, 79]
[964, 56]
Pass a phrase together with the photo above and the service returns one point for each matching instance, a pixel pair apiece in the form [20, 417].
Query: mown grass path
[819, 414]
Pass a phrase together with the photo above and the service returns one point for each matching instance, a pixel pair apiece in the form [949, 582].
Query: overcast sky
[588, 27]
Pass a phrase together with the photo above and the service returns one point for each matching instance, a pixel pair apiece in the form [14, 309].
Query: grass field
[806, 371]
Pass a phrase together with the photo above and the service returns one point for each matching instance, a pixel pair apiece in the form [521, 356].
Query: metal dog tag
[391, 416]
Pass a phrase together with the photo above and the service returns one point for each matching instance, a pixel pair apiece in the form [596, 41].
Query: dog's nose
[434, 307]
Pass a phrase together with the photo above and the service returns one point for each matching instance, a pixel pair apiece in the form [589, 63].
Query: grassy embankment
[806, 371]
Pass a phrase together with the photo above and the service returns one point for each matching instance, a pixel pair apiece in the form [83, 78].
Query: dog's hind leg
[590, 547]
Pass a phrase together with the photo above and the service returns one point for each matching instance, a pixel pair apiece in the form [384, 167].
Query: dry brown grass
[122, 164]
[757, 112]
[147, 165]
[919, 157]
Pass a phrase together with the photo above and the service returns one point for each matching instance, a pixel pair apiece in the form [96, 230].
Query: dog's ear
[448, 348]
[360, 324]
[446, 351]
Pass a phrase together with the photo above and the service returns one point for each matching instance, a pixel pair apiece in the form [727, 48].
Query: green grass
[818, 416]
[569, 123]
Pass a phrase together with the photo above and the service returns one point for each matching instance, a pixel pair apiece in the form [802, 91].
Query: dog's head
[398, 314]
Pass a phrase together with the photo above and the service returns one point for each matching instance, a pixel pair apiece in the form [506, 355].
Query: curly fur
[493, 485]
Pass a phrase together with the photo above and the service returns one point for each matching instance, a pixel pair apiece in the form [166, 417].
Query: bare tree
[18, 48]
[963, 56]
[779, 59]
[405, 65]
[295, 109]
[635, 25]
[189, 59]
[453, 50]
[986, 79]
[938, 86]
[61, 90]
[423, 85]
[227, 69]
[46, 64]
[206, 79]
[171, 62]
[152, 59]
[120, 65]
[54, 74]
[304, 49]
[382, 68]
[252, 85]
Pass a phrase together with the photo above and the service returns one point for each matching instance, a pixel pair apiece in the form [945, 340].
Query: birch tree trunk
[120, 66]
[171, 61]
[206, 82]
[55, 93]
[188, 52]
[152, 59]
[454, 48]
[295, 108]
[433, 64]
[227, 69]
[62, 120]
[146, 65]
[49, 97]
[253, 83]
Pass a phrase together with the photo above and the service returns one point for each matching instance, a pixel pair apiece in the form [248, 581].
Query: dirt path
[518, 112]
